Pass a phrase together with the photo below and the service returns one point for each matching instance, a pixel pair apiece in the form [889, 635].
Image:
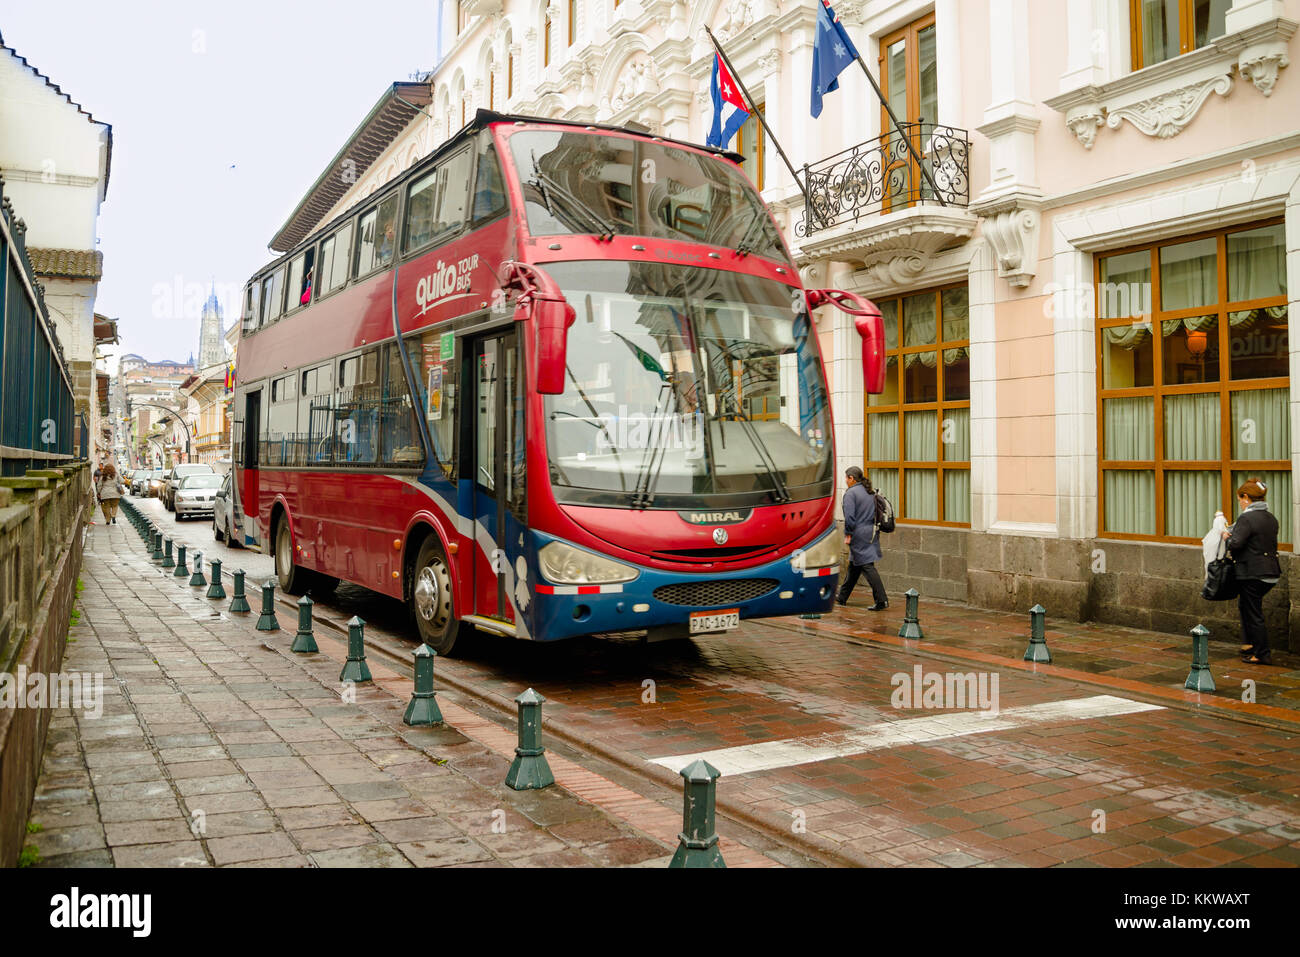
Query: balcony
[872, 203]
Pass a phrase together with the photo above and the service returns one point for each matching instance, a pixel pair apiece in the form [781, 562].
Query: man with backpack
[865, 514]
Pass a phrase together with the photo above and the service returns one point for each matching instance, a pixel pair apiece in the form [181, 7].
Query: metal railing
[38, 425]
[884, 176]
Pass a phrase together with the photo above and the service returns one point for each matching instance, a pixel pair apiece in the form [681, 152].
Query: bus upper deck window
[489, 187]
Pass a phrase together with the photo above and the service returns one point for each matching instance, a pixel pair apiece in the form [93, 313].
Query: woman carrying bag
[1252, 542]
[108, 490]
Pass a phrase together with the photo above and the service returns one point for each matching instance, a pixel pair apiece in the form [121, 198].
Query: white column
[948, 51]
[983, 390]
[1075, 386]
[1249, 13]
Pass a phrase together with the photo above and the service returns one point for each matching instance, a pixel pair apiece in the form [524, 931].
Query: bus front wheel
[432, 605]
[292, 578]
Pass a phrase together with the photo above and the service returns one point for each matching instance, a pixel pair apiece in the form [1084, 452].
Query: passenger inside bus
[306, 289]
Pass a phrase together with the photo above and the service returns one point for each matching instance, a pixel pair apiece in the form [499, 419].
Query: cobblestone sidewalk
[218, 747]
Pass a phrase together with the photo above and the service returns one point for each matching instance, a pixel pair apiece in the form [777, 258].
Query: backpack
[884, 513]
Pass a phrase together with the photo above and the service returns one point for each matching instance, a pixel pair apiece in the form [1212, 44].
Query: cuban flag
[729, 109]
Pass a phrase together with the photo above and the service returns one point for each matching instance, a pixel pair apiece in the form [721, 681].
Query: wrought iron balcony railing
[884, 176]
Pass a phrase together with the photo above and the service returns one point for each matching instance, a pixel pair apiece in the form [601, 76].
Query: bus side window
[489, 187]
[436, 375]
[273, 296]
[401, 444]
[333, 268]
[252, 301]
[356, 415]
[453, 196]
[282, 422]
[378, 237]
[316, 415]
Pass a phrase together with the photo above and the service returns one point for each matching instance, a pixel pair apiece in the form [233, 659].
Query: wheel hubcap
[282, 560]
[431, 586]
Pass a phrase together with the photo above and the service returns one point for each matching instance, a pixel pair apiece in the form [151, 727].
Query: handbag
[1221, 579]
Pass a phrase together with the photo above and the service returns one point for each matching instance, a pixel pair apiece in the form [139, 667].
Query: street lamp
[176, 416]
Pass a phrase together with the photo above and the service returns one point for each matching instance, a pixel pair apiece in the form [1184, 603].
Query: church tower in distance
[212, 347]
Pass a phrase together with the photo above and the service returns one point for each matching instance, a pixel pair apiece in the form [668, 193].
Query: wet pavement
[1098, 759]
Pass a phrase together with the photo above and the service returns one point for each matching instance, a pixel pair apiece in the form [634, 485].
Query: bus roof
[289, 238]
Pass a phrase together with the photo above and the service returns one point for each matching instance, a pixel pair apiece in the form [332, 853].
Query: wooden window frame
[1186, 32]
[573, 22]
[760, 145]
[547, 23]
[1225, 387]
[902, 464]
[910, 34]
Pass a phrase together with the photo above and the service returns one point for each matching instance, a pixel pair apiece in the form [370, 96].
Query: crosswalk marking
[748, 758]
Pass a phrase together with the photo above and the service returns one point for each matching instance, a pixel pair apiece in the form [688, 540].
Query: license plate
[703, 622]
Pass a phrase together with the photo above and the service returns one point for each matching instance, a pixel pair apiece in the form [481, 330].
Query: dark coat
[859, 521]
[1254, 545]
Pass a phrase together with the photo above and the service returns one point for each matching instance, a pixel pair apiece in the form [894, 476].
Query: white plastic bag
[1212, 545]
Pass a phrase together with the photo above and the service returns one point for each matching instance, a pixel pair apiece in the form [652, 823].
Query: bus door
[247, 497]
[498, 468]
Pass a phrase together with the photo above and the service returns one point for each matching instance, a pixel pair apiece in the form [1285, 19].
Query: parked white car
[195, 495]
[223, 515]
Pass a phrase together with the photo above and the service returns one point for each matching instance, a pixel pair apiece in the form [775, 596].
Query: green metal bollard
[423, 709]
[304, 642]
[197, 580]
[268, 621]
[182, 569]
[1199, 678]
[168, 561]
[355, 668]
[216, 591]
[157, 546]
[698, 841]
[239, 601]
[529, 771]
[1037, 650]
[911, 617]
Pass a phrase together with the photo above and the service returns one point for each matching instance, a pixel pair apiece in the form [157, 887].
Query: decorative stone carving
[740, 14]
[769, 63]
[553, 11]
[1262, 70]
[1085, 123]
[894, 250]
[1011, 226]
[1167, 115]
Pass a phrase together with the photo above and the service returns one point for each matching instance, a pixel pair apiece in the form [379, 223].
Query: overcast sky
[223, 115]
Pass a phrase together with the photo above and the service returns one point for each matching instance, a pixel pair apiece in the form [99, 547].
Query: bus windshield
[604, 184]
[686, 387]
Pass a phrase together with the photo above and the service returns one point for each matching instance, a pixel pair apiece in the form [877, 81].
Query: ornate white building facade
[1090, 306]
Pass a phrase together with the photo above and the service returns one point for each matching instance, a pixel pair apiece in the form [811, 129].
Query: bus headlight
[566, 565]
[823, 553]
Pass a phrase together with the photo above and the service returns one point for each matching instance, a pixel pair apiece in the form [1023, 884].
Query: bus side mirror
[541, 300]
[552, 320]
[871, 327]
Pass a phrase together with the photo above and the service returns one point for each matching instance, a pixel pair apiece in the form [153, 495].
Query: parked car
[155, 482]
[174, 479]
[223, 515]
[194, 496]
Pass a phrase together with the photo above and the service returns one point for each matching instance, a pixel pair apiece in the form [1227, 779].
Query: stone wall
[42, 519]
[1148, 585]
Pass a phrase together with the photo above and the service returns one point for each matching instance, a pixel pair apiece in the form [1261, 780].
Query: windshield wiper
[644, 495]
[750, 237]
[548, 187]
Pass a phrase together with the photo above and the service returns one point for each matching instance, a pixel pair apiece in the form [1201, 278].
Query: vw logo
[719, 536]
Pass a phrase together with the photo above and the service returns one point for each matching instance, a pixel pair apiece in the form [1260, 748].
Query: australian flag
[833, 51]
[729, 108]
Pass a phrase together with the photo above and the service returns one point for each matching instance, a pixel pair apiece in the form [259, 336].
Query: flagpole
[762, 122]
[929, 178]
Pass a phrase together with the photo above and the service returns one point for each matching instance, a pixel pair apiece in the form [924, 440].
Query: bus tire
[292, 578]
[432, 604]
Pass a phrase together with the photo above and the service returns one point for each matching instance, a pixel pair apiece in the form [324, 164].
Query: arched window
[573, 21]
[546, 43]
[492, 84]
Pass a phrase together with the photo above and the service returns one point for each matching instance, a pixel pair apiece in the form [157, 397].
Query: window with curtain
[918, 430]
[1164, 29]
[1194, 382]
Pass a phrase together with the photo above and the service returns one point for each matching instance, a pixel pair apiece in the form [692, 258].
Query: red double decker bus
[554, 380]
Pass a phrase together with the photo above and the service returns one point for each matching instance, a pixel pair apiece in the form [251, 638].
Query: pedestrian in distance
[109, 489]
[1252, 541]
[862, 535]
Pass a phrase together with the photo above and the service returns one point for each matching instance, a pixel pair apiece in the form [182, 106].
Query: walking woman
[862, 535]
[1253, 544]
[109, 490]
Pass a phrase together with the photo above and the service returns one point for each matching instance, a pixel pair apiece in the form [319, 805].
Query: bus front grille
[715, 594]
